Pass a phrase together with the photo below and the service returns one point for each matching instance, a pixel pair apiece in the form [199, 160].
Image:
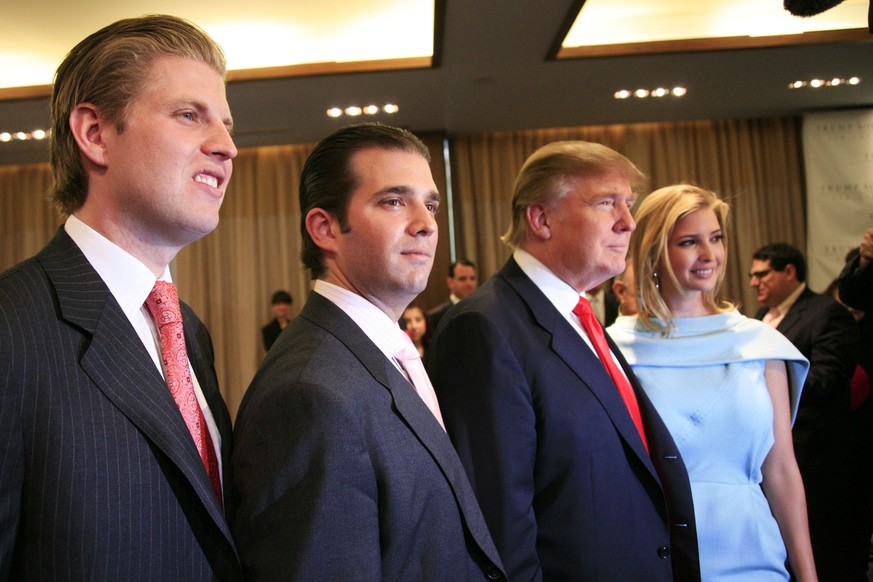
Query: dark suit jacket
[270, 333]
[99, 476]
[827, 335]
[435, 315]
[561, 473]
[342, 472]
[856, 285]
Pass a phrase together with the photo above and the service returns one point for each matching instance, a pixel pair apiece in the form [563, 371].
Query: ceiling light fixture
[819, 83]
[656, 93]
[9, 136]
[357, 110]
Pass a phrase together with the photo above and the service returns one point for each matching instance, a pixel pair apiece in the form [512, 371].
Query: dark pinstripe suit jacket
[342, 471]
[99, 478]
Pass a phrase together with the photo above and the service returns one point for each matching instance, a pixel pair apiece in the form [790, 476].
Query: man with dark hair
[343, 468]
[280, 305]
[576, 473]
[113, 434]
[825, 332]
[461, 283]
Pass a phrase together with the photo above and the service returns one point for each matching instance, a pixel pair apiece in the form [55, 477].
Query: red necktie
[163, 304]
[595, 333]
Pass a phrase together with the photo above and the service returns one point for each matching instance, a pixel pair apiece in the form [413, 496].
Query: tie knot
[407, 350]
[163, 303]
[583, 307]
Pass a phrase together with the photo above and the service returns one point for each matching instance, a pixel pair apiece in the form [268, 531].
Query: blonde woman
[727, 387]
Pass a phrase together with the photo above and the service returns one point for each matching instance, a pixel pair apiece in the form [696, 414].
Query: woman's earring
[657, 280]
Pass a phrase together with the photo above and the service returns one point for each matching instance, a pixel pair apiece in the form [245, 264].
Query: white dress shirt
[558, 292]
[130, 282]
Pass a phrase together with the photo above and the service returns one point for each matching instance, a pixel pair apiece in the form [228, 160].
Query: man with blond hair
[113, 435]
[577, 476]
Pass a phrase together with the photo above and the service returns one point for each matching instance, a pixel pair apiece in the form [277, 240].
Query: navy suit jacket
[99, 476]
[827, 335]
[561, 473]
[435, 315]
[343, 473]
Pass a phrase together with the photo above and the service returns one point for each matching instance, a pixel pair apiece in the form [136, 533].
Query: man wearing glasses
[825, 332]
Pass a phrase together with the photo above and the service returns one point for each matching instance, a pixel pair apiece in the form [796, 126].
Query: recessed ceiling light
[642, 93]
[357, 110]
[819, 83]
[37, 134]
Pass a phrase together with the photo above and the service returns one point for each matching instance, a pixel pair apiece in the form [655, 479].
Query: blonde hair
[656, 217]
[548, 174]
[108, 69]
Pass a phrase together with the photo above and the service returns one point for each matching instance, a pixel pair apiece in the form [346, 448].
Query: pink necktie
[595, 333]
[410, 361]
[163, 304]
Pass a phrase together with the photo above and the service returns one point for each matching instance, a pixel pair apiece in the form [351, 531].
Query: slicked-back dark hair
[465, 262]
[327, 180]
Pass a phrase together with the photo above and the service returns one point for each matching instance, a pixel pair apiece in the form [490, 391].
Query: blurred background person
[856, 280]
[624, 288]
[416, 327]
[827, 335]
[861, 420]
[462, 281]
[280, 305]
[716, 376]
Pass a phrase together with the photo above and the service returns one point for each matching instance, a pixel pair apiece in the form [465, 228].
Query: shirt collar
[790, 300]
[128, 279]
[374, 322]
[556, 290]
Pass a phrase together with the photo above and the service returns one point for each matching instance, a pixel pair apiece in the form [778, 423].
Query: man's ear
[538, 221]
[618, 287]
[323, 228]
[87, 126]
[790, 271]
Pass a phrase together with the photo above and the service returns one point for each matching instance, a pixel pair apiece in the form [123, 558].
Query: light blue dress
[707, 382]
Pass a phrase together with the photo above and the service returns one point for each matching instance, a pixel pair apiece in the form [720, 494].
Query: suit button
[494, 573]
[663, 552]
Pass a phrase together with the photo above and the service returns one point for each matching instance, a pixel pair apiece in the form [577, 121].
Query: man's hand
[867, 248]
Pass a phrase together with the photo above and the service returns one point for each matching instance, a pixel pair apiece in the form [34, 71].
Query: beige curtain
[27, 220]
[229, 276]
[755, 164]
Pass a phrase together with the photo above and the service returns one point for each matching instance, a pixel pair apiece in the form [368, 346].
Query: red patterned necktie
[595, 333]
[163, 304]
[410, 361]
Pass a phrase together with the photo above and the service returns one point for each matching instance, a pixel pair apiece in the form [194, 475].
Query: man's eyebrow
[202, 108]
[404, 190]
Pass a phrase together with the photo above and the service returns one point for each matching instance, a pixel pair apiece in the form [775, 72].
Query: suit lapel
[795, 314]
[579, 358]
[119, 365]
[409, 406]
